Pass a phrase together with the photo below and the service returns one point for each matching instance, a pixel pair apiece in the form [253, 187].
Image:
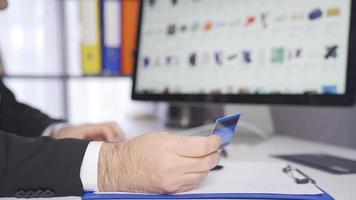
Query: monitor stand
[192, 115]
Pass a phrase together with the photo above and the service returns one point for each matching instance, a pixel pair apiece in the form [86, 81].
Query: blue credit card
[225, 128]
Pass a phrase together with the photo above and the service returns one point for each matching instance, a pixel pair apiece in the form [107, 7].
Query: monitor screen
[244, 51]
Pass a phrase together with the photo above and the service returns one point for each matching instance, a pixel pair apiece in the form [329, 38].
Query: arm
[33, 164]
[19, 118]
[26, 121]
[28, 167]
[157, 163]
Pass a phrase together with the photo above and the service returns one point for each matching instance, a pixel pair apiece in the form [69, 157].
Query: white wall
[29, 37]
[103, 99]
[45, 95]
[30, 45]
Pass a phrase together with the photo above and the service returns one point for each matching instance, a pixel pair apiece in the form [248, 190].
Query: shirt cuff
[89, 168]
[54, 128]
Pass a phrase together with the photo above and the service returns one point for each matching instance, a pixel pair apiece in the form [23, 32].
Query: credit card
[225, 128]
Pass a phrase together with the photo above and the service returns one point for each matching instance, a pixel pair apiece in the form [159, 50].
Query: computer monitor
[246, 51]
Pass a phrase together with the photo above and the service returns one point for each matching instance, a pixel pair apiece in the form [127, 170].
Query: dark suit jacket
[33, 166]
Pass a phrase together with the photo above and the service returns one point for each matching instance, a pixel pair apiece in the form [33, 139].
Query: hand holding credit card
[225, 128]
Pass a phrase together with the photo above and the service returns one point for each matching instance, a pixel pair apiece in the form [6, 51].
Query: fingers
[196, 178]
[97, 132]
[105, 132]
[117, 131]
[183, 183]
[183, 188]
[94, 137]
[191, 181]
[200, 165]
[186, 188]
[108, 132]
[195, 146]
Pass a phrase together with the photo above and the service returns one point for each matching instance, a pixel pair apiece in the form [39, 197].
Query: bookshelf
[65, 18]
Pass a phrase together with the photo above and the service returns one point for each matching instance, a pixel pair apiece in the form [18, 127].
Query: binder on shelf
[242, 180]
[111, 36]
[91, 36]
[130, 15]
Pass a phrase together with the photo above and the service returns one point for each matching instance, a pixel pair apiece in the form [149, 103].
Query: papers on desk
[239, 180]
[252, 177]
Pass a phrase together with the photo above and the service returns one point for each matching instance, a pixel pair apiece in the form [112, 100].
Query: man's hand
[100, 132]
[157, 163]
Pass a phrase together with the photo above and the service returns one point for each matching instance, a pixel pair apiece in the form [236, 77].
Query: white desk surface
[251, 148]
[341, 187]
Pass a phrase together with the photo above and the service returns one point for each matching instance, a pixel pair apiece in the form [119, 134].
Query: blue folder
[111, 53]
[323, 196]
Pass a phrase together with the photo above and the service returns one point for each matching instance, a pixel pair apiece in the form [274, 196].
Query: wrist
[110, 170]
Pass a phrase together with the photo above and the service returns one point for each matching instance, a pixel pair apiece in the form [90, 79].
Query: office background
[40, 43]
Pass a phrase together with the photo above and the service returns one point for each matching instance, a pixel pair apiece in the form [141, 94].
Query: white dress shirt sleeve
[89, 168]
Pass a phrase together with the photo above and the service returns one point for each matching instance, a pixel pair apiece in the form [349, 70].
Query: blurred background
[41, 44]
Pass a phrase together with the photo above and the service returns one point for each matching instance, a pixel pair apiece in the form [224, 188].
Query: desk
[341, 187]
[250, 148]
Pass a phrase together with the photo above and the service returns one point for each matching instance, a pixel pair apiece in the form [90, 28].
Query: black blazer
[33, 166]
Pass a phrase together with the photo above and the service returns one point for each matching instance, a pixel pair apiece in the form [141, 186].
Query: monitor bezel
[347, 99]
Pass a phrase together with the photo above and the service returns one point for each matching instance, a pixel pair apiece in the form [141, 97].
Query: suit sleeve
[40, 166]
[19, 118]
